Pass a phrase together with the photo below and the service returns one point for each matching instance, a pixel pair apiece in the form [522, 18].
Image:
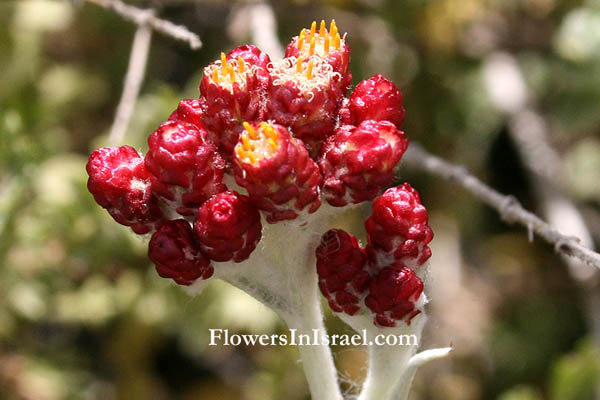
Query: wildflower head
[342, 270]
[276, 170]
[393, 296]
[302, 96]
[233, 90]
[120, 183]
[228, 227]
[174, 250]
[377, 99]
[228, 74]
[326, 43]
[398, 229]
[257, 142]
[187, 166]
[358, 161]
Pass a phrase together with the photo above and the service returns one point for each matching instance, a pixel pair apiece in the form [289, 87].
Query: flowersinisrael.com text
[315, 338]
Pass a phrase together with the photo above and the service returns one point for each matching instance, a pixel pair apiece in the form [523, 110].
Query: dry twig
[146, 22]
[508, 206]
[141, 17]
[133, 82]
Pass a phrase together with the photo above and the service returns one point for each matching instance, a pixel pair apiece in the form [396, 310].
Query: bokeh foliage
[83, 314]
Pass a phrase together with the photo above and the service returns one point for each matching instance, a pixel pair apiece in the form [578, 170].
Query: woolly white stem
[391, 367]
[388, 365]
[281, 273]
[317, 362]
[300, 309]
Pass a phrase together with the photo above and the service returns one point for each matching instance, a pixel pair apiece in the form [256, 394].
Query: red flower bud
[397, 230]
[233, 90]
[392, 296]
[190, 111]
[341, 266]
[376, 98]
[326, 44]
[280, 177]
[120, 183]
[176, 254]
[228, 227]
[358, 162]
[187, 166]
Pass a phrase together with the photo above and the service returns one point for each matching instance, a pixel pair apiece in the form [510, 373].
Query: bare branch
[133, 82]
[529, 130]
[508, 206]
[140, 17]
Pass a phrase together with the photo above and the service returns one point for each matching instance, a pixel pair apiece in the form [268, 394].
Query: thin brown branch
[140, 17]
[530, 132]
[507, 206]
[133, 82]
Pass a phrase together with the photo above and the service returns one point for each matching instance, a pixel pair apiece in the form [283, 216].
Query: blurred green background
[83, 315]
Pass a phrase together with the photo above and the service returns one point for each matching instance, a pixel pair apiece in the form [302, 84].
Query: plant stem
[389, 369]
[386, 366]
[393, 367]
[281, 274]
[317, 361]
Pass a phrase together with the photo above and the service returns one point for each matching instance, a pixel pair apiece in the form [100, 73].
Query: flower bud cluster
[379, 279]
[177, 193]
[287, 135]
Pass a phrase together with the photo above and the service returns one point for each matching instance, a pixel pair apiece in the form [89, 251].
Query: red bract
[358, 162]
[189, 111]
[326, 44]
[280, 177]
[228, 227]
[176, 253]
[233, 90]
[341, 266]
[120, 183]
[392, 296]
[377, 99]
[397, 230]
[187, 166]
[303, 97]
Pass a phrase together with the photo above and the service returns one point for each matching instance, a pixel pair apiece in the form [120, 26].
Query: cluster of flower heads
[380, 278]
[290, 137]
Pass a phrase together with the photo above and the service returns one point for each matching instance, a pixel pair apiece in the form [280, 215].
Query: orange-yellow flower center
[257, 143]
[322, 42]
[229, 72]
[303, 68]
[307, 74]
